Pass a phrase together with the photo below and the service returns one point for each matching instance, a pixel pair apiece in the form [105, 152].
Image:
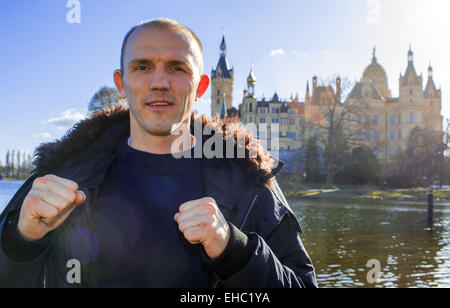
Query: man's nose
[159, 79]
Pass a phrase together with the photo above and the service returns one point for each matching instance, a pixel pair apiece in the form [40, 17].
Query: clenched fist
[202, 222]
[47, 205]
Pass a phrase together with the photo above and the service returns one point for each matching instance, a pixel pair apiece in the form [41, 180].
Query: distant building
[384, 123]
[222, 79]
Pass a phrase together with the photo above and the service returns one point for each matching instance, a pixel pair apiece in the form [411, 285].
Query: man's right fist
[47, 205]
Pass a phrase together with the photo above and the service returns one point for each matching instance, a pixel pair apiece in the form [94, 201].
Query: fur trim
[86, 134]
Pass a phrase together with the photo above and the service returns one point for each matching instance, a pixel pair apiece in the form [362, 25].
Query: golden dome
[251, 79]
[376, 75]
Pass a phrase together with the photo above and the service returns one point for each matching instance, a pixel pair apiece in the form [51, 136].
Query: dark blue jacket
[85, 155]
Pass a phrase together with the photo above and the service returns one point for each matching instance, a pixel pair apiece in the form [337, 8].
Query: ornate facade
[382, 122]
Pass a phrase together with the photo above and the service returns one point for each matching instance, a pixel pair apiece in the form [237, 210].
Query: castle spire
[374, 58]
[410, 54]
[223, 47]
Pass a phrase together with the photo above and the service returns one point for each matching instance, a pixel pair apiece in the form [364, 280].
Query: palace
[380, 121]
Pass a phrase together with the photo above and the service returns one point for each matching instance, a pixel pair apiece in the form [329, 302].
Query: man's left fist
[202, 222]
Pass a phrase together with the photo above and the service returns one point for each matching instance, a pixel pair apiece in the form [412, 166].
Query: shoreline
[364, 194]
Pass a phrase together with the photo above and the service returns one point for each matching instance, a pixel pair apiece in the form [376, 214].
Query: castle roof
[356, 92]
[222, 67]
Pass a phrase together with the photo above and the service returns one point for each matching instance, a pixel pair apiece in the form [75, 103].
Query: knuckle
[210, 207]
[73, 185]
[49, 177]
[39, 181]
[31, 200]
[72, 197]
[206, 228]
[209, 200]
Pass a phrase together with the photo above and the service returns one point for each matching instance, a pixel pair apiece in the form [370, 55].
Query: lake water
[341, 236]
[7, 191]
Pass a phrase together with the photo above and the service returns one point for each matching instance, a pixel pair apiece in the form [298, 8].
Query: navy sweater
[140, 244]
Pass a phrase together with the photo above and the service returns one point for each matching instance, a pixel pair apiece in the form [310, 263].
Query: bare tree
[335, 123]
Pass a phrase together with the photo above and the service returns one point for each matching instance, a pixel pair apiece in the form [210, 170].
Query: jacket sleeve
[14, 273]
[279, 259]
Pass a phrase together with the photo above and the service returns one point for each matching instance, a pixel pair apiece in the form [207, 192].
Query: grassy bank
[292, 187]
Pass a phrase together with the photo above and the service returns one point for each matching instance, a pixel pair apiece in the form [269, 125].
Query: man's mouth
[158, 105]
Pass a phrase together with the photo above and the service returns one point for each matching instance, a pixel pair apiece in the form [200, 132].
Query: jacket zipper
[242, 225]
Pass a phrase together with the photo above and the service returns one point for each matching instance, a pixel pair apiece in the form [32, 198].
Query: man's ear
[202, 86]
[118, 80]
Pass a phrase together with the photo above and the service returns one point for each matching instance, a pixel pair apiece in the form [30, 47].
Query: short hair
[163, 24]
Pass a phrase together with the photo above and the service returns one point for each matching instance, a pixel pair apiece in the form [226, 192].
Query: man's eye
[142, 67]
[177, 69]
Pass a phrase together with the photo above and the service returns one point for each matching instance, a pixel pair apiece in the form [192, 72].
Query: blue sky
[51, 68]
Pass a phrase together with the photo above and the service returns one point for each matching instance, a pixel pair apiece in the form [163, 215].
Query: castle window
[250, 109]
[218, 92]
[367, 118]
[358, 135]
[411, 117]
[367, 133]
[392, 119]
[393, 135]
[218, 102]
[375, 119]
[292, 121]
[392, 151]
[250, 119]
[262, 120]
[358, 119]
[375, 135]
[291, 136]
[275, 121]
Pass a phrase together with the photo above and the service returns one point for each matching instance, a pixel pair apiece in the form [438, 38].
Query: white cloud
[67, 119]
[277, 52]
[373, 11]
[300, 53]
[43, 136]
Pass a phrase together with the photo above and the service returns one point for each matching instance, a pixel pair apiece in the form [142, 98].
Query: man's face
[160, 80]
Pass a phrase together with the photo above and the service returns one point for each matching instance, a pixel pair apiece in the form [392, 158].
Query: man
[111, 201]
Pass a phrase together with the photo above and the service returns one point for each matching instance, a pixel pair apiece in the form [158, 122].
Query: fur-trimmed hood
[101, 131]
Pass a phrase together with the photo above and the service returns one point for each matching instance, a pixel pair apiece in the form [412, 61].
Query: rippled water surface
[342, 236]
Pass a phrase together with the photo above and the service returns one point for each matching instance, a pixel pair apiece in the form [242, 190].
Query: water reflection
[341, 236]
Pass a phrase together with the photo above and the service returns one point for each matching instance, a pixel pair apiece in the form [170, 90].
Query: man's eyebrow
[180, 62]
[140, 61]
